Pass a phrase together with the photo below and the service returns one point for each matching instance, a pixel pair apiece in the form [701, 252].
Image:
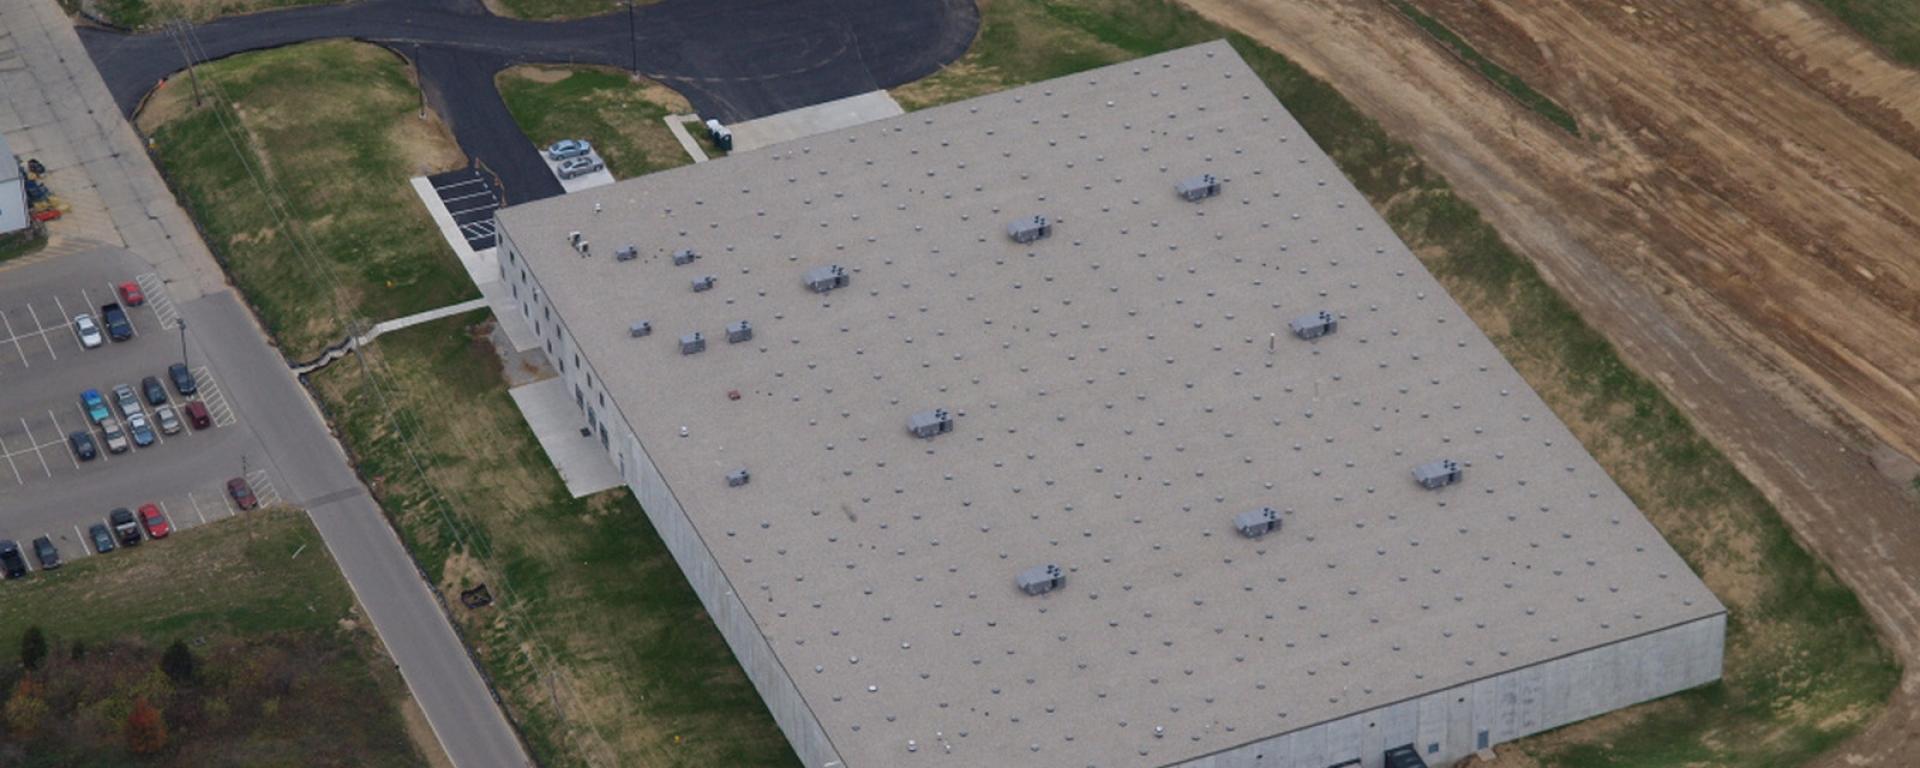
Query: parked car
[155, 393]
[119, 328]
[130, 294]
[168, 420]
[142, 430]
[83, 446]
[44, 551]
[87, 330]
[102, 538]
[197, 415]
[95, 406]
[580, 166]
[242, 493]
[11, 560]
[155, 523]
[125, 528]
[182, 379]
[129, 403]
[568, 148]
[116, 437]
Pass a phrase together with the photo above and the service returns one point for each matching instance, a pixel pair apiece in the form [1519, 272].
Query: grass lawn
[335, 126]
[1894, 25]
[623, 119]
[261, 604]
[558, 9]
[624, 667]
[20, 244]
[153, 14]
[1804, 669]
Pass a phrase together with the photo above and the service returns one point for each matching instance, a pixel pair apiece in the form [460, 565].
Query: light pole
[633, 41]
[182, 322]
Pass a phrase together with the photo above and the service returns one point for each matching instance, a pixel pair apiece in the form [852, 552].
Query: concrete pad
[808, 121]
[678, 125]
[549, 409]
[598, 178]
[483, 268]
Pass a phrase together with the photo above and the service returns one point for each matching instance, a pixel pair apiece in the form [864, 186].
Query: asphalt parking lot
[46, 489]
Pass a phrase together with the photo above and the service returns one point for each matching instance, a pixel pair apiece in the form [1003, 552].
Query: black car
[125, 527]
[102, 538]
[11, 562]
[156, 394]
[182, 379]
[83, 446]
[119, 328]
[44, 552]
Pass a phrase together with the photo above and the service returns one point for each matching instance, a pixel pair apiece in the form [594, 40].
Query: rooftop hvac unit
[586, 249]
[627, 252]
[684, 257]
[1194, 189]
[1255, 523]
[930, 423]
[1314, 325]
[693, 343]
[1029, 229]
[573, 238]
[827, 278]
[703, 283]
[739, 332]
[639, 329]
[1041, 579]
[1439, 473]
[737, 478]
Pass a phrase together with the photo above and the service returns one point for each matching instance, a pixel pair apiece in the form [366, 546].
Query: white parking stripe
[450, 200]
[8, 454]
[42, 331]
[84, 549]
[474, 180]
[63, 434]
[36, 447]
[196, 508]
[461, 212]
[15, 338]
[165, 514]
[68, 321]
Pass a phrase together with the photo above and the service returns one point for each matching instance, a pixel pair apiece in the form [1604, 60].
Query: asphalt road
[733, 60]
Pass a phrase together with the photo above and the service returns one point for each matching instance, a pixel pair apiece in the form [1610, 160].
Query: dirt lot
[1738, 216]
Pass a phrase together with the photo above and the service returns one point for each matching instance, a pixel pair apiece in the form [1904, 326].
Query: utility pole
[633, 42]
[180, 36]
[182, 322]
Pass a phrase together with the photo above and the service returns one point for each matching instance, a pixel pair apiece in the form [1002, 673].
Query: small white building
[13, 191]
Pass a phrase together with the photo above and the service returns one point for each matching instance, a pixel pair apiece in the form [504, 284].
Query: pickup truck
[124, 527]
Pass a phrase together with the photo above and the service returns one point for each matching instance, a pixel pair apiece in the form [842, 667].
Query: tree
[33, 648]
[25, 709]
[177, 662]
[146, 729]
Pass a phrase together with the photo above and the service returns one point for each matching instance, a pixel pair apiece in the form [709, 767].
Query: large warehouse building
[1200, 469]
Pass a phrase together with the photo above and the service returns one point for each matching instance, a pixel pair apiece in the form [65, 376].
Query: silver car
[566, 148]
[129, 402]
[168, 419]
[580, 166]
[88, 331]
[116, 437]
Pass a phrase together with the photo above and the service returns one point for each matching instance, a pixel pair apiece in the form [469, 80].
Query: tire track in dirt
[1738, 218]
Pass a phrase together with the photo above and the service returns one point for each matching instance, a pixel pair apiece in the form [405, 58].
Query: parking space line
[15, 338]
[196, 508]
[168, 515]
[63, 434]
[215, 399]
[8, 454]
[67, 320]
[41, 330]
[263, 481]
[36, 447]
[84, 549]
[100, 448]
[158, 299]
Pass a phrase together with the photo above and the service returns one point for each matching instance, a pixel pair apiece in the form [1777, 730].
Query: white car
[88, 330]
[116, 437]
[169, 420]
[580, 166]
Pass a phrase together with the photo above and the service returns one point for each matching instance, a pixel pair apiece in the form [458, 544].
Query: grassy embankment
[1894, 25]
[282, 666]
[624, 119]
[154, 14]
[1508, 81]
[1803, 666]
[596, 643]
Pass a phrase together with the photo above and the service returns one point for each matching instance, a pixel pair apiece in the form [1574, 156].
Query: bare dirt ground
[1739, 217]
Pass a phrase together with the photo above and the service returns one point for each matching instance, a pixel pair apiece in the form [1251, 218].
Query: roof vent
[739, 332]
[1437, 474]
[704, 282]
[930, 423]
[693, 343]
[737, 478]
[1255, 523]
[585, 248]
[627, 252]
[1041, 579]
[1314, 325]
[1194, 189]
[573, 238]
[827, 278]
[640, 329]
[1029, 229]
[684, 257]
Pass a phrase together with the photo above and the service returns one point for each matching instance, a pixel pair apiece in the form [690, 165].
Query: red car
[242, 494]
[130, 294]
[156, 523]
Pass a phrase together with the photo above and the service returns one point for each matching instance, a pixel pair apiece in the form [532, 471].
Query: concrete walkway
[421, 317]
[556, 421]
[483, 267]
[678, 124]
[813, 120]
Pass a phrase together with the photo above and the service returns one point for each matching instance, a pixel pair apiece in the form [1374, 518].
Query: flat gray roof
[1121, 391]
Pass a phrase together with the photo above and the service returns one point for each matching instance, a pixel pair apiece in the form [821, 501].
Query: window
[548, 311]
[563, 369]
[516, 292]
[513, 258]
[589, 375]
[603, 439]
[549, 345]
[526, 309]
[603, 399]
[579, 398]
[576, 364]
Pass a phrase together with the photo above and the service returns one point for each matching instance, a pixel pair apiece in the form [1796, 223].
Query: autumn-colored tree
[25, 709]
[146, 729]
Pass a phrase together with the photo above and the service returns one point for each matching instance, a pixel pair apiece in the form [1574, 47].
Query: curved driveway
[734, 60]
